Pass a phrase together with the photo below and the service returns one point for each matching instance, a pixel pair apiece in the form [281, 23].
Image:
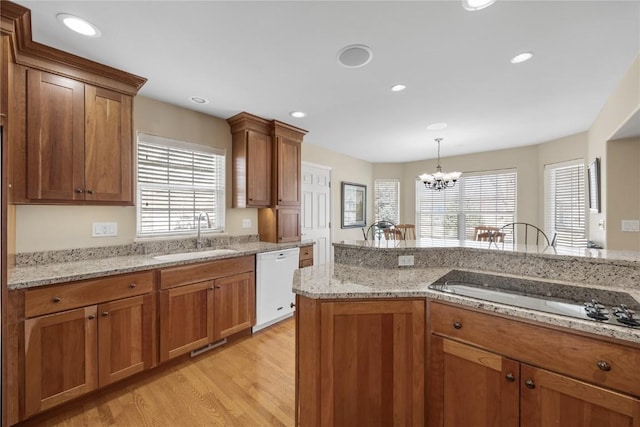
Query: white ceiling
[270, 58]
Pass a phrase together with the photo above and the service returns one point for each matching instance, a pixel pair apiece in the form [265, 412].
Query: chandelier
[439, 180]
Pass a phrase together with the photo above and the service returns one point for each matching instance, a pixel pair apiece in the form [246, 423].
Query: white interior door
[316, 210]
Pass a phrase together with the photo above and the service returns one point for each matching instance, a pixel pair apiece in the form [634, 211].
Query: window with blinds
[176, 181]
[387, 200]
[477, 199]
[564, 203]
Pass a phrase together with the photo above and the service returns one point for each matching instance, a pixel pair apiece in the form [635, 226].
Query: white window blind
[177, 181]
[387, 200]
[477, 199]
[564, 203]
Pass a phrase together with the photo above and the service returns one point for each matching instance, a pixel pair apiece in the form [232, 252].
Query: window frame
[375, 199]
[219, 190]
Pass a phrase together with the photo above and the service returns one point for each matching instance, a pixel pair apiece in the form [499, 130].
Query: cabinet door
[234, 304]
[553, 400]
[108, 166]
[186, 319]
[124, 338]
[372, 363]
[288, 225]
[258, 169]
[60, 358]
[55, 141]
[288, 172]
[471, 387]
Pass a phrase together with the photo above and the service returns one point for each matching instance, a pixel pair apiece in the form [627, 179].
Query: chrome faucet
[199, 238]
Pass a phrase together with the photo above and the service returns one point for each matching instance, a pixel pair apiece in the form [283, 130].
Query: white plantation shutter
[477, 199]
[564, 203]
[488, 199]
[387, 200]
[176, 181]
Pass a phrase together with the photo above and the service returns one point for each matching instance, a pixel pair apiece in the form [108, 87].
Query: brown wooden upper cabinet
[266, 161]
[251, 164]
[79, 141]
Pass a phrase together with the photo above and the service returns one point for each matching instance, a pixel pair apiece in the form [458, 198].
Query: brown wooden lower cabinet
[473, 386]
[195, 315]
[70, 353]
[360, 362]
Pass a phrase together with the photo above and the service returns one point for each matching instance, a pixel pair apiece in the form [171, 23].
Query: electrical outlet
[601, 224]
[104, 229]
[630, 225]
[405, 260]
[246, 223]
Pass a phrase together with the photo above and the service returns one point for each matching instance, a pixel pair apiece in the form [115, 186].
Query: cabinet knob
[457, 325]
[279, 200]
[510, 377]
[530, 384]
[56, 299]
[132, 285]
[105, 313]
[211, 288]
[292, 305]
[604, 365]
[279, 238]
[218, 286]
[90, 191]
[91, 317]
[79, 190]
[250, 199]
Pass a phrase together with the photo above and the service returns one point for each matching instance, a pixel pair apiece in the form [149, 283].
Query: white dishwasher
[274, 280]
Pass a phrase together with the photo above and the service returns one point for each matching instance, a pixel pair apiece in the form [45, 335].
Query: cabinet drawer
[305, 263]
[56, 298]
[563, 352]
[193, 273]
[306, 252]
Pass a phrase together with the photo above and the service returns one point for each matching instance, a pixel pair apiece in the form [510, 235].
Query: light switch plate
[104, 229]
[630, 225]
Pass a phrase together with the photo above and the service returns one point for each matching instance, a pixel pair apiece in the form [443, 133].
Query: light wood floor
[246, 383]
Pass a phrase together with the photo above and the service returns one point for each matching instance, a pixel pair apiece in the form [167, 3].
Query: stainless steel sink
[550, 297]
[183, 256]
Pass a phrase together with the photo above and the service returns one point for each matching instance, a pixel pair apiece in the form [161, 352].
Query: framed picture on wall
[593, 172]
[354, 204]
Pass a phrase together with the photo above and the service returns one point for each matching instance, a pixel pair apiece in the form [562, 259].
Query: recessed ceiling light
[398, 87]
[524, 56]
[198, 100]
[476, 4]
[355, 55]
[298, 114]
[79, 25]
[437, 126]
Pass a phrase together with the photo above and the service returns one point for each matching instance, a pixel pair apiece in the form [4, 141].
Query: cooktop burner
[567, 300]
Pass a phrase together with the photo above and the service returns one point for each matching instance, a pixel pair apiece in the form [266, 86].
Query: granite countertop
[341, 281]
[616, 257]
[46, 274]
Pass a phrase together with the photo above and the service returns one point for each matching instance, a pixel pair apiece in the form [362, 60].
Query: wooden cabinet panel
[552, 400]
[60, 358]
[571, 354]
[289, 225]
[371, 367]
[124, 344]
[186, 319]
[288, 161]
[55, 140]
[258, 170]
[472, 387]
[234, 305]
[193, 273]
[306, 256]
[52, 299]
[108, 167]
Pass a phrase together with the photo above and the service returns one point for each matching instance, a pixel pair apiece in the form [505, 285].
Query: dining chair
[408, 231]
[530, 232]
[377, 230]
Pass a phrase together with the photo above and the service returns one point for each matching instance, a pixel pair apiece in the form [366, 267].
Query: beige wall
[343, 168]
[620, 106]
[41, 228]
[623, 192]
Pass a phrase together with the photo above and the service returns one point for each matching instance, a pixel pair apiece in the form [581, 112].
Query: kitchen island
[374, 343]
